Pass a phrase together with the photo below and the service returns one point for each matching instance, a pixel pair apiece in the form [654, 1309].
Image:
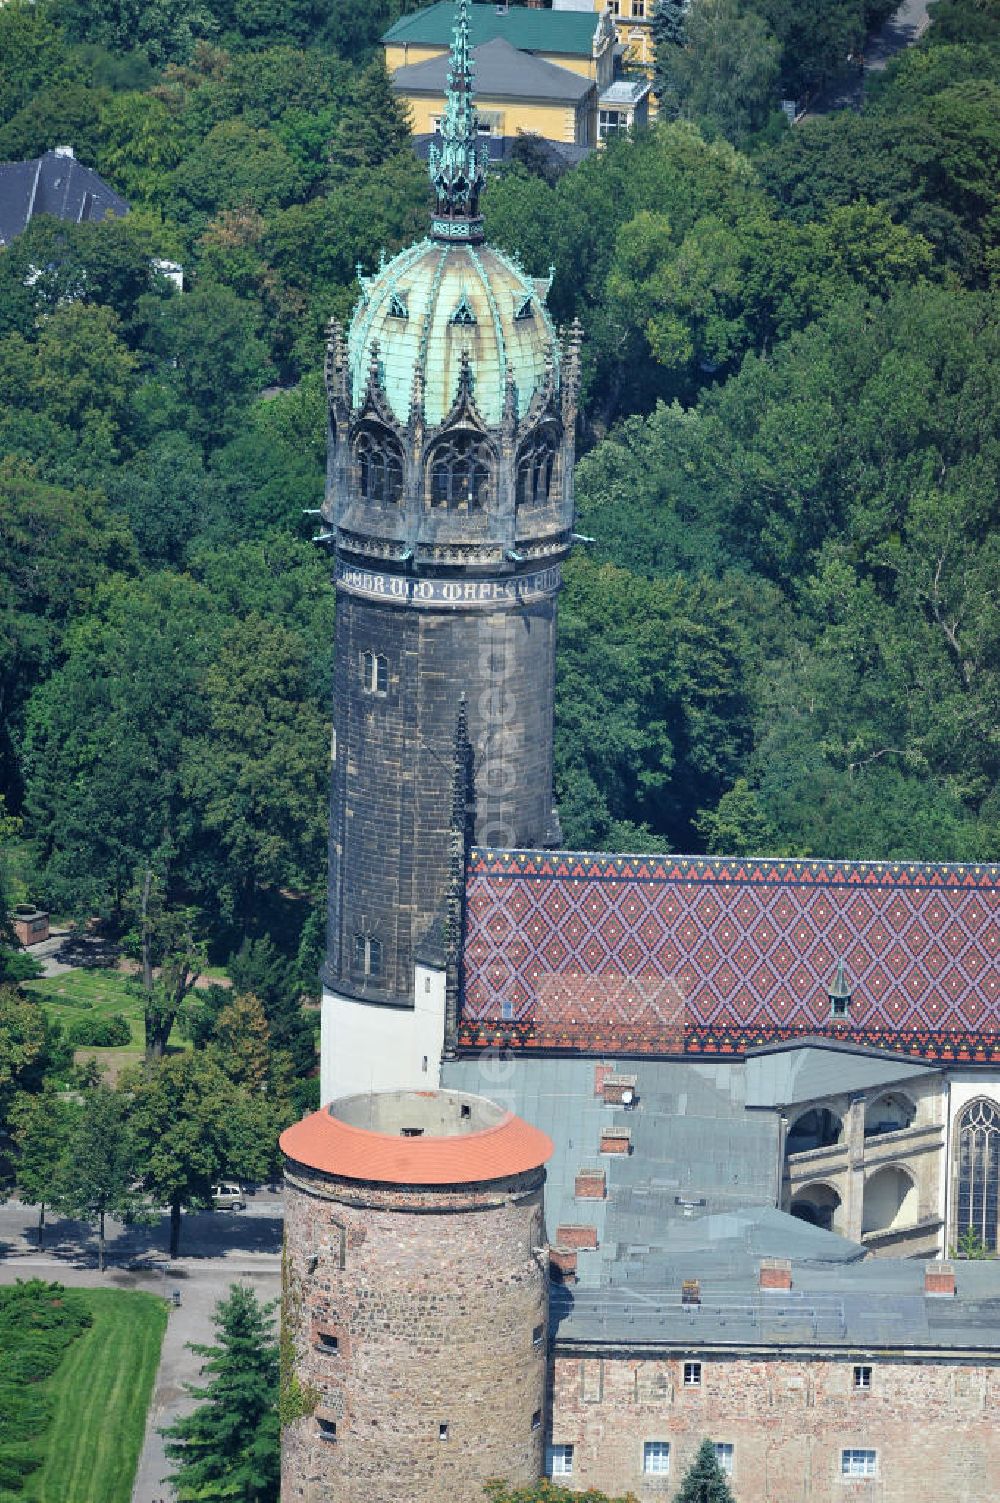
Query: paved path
[899, 32]
[47, 953]
[222, 1249]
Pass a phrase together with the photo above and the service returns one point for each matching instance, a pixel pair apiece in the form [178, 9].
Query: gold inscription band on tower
[397, 589]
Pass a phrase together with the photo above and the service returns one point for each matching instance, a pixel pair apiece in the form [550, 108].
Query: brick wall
[935, 1425]
[437, 1300]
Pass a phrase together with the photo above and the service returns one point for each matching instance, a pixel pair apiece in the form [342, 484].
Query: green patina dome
[451, 312]
[435, 302]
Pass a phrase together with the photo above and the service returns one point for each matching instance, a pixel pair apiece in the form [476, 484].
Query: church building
[763, 1095]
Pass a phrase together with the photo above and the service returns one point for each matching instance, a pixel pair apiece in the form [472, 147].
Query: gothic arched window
[378, 468]
[978, 1174]
[459, 472]
[536, 470]
[367, 955]
[374, 673]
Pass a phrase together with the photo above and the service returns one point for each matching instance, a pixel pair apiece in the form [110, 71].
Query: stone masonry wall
[393, 773]
[410, 1312]
[934, 1424]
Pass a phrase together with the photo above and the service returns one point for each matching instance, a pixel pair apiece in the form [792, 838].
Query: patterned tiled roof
[696, 955]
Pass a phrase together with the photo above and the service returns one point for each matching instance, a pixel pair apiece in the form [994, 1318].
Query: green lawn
[98, 993]
[101, 1392]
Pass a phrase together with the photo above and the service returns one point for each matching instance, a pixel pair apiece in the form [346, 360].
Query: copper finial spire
[458, 166]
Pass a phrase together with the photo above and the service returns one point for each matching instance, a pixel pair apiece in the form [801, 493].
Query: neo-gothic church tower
[449, 503]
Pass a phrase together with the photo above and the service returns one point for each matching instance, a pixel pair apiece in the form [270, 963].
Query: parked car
[228, 1197]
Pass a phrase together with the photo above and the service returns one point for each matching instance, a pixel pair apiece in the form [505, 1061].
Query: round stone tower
[415, 1300]
[449, 510]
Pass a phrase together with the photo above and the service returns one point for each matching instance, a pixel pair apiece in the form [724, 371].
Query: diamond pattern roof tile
[715, 955]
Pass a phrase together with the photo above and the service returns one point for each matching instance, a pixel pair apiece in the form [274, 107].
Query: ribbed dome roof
[433, 302]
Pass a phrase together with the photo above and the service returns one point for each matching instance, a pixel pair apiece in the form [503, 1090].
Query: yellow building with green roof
[550, 73]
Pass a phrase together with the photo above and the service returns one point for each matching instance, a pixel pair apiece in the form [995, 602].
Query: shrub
[38, 1321]
[100, 1033]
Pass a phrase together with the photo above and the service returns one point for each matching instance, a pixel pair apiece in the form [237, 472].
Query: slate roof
[625, 92]
[785, 1075]
[711, 955]
[502, 72]
[56, 184]
[567, 32]
[694, 1199]
[878, 1304]
[696, 1153]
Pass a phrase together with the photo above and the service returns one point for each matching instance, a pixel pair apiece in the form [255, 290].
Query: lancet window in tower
[378, 468]
[459, 472]
[367, 955]
[978, 1197]
[536, 470]
[374, 673]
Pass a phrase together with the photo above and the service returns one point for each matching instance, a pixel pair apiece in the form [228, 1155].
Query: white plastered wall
[364, 1047]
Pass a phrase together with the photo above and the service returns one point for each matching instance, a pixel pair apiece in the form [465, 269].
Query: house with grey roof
[516, 92]
[57, 184]
[551, 74]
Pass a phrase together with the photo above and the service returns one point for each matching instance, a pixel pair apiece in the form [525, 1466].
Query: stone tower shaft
[415, 1299]
[452, 407]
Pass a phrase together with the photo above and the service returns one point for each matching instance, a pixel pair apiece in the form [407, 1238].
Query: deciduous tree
[105, 740]
[171, 955]
[26, 1047]
[256, 776]
[213, 358]
[192, 1126]
[33, 53]
[42, 1128]
[726, 76]
[164, 29]
[101, 1164]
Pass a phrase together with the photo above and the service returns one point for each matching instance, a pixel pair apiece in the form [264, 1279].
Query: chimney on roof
[615, 1140]
[575, 1235]
[775, 1273]
[64, 151]
[939, 1280]
[590, 1184]
[619, 1090]
[562, 1264]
